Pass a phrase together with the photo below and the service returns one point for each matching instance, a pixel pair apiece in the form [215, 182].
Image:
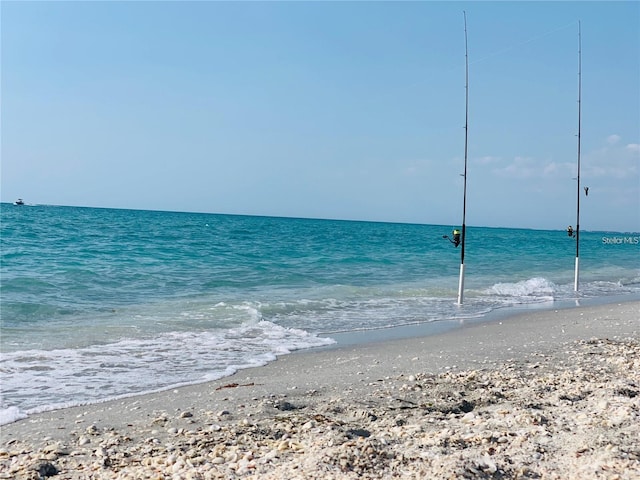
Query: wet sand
[550, 394]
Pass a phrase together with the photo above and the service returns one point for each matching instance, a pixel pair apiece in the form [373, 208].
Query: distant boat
[19, 202]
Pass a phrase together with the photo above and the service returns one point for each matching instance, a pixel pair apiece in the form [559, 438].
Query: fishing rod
[466, 136]
[577, 267]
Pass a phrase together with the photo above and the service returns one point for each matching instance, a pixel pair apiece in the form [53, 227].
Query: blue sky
[349, 110]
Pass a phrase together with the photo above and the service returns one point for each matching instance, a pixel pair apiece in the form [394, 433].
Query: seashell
[488, 465]
[192, 453]
[297, 447]
[282, 446]
[468, 417]
[271, 455]
[231, 457]
[92, 430]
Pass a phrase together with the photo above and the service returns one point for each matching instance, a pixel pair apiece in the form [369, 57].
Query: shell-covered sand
[569, 409]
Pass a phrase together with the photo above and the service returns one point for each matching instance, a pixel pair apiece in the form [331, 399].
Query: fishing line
[525, 42]
[486, 57]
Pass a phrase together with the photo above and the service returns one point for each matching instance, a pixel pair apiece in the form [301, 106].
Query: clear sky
[346, 110]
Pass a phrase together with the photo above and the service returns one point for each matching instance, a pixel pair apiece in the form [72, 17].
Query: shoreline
[424, 329]
[547, 392]
[373, 336]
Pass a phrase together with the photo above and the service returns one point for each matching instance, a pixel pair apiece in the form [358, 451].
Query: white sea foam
[38, 380]
[533, 288]
[10, 415]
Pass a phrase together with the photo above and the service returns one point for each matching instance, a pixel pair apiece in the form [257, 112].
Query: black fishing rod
[577, 267]
[466, 136]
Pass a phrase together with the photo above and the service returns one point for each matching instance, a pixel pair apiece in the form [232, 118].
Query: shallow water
[101, 303]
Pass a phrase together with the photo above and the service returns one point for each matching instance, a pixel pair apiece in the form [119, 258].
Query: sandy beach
[551, 394]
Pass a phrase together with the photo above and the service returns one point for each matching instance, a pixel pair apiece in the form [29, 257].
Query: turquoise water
[102, 303]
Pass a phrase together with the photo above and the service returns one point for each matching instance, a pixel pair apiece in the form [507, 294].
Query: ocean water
[101, 303]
